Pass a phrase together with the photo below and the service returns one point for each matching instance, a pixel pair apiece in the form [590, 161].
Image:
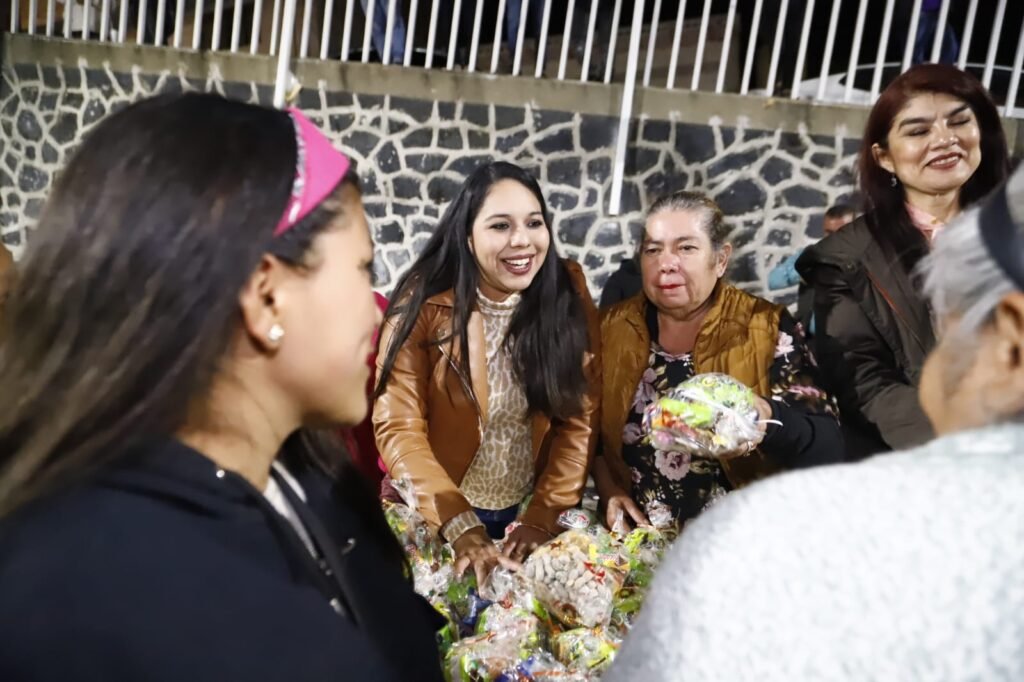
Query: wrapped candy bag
[585, 649]
[709, 415]
[577, 575]
[625, 609]
[492, 656]
[644, 547]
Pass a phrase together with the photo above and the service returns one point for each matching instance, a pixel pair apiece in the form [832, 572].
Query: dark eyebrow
[959, 110]
[506, 216]
[916, 121]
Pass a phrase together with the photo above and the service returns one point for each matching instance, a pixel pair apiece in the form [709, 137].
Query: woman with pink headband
[195, 302]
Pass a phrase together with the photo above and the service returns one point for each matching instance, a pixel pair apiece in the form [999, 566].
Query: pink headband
[319, 169]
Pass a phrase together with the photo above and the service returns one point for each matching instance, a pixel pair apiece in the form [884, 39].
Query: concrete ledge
[686, 106]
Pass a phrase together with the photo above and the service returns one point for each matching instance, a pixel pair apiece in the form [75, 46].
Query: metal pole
[285, 54]
[626, 112]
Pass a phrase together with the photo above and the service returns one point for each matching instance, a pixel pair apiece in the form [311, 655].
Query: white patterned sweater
[907, 567]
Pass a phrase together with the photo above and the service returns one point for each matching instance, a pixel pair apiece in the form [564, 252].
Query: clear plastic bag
[577, 575]
[589, 650]
[709, 415]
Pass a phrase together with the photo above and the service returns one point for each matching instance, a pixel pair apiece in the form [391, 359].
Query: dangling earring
[895, 182]
[275, 334]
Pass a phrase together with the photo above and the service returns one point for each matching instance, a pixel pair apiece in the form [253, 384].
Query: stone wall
[413, 153]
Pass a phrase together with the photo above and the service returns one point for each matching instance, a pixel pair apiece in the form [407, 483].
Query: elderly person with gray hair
[905, 567]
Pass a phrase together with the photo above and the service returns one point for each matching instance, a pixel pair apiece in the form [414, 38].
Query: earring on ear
[895, 182]
[275, 334]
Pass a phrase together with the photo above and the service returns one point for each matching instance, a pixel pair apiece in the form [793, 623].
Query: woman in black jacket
[933, 145]
[195, 299]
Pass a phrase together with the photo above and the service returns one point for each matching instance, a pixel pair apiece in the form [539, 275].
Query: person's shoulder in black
[624, 283]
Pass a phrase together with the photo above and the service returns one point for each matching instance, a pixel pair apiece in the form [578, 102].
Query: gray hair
[713, 222]
[960, 276]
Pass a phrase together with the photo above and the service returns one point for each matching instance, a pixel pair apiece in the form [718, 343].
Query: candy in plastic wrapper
[644, 547]
[449, 633]
[575, 519]
[576, 577]
[514, 621]
[466, 603]
[542, 666]
[709, 415]
[625, 609]
[585, 649]
[491, 656]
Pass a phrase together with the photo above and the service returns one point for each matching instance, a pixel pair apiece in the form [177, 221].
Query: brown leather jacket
[738, 337]
[428, 425]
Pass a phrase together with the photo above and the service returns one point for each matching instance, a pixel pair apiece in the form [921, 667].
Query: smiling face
[678, 263]
[933, 146]
[509, 240]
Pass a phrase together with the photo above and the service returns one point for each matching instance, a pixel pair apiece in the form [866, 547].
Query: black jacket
[873, 333]
[622, 284]
[165, 568]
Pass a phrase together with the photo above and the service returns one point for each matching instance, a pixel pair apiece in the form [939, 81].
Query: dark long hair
[128, 296]
[887, 217]
[547, 336]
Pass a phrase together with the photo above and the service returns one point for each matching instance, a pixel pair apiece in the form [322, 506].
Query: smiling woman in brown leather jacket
[933, 145]
[489, 378]
[688, 321]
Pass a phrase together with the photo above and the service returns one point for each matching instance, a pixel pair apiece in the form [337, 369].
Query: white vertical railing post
[517, 58]
[730, 21]
[908, 50]
[86, 6]
[218, 24]
[371, 9]
[588, 49]
[325, 32]
[830, 43]
[883, 46]
[453, 39]
[307, 25]
[677, 39]
[993, 44]
[33, 10]
[780, 29]
[197, 28]
[104, 20]
[626, 111]
[236, 26]
[940, 31]
[542, 40]
[346, 30]
[748, 65]
[801, 55]
[257, 26]
[702, 39]
[161, 16]
[410, 33]
[652, 43]
[474, 44]
[1018, 66]
[16, 16]
[858, 36]
[965, 44]
[498, 25]
[566, 40]
[389, 32]
[284, 54]
[432, 33]
[179, 23]
[613, 41]
[51, 10]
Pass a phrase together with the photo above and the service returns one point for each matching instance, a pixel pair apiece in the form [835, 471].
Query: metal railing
[713, 45]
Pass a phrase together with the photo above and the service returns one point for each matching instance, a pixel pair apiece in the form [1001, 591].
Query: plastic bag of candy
[644, 547]
[465, 601]
[585, 649]
[577, 575]
[709, 415]
[496, 656]
[625, 609]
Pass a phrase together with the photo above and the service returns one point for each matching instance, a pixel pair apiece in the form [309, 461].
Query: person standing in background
[784, 275]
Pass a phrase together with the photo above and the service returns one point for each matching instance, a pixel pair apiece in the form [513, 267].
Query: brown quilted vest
[738, 337]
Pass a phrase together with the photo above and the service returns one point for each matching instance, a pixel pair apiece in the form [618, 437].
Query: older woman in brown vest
[688, 321]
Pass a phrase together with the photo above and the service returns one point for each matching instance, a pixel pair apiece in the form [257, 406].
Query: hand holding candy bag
[709, 415]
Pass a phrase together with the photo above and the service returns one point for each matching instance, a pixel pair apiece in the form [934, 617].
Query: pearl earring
[275, 334]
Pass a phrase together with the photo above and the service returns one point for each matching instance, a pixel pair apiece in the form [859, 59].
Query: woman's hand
[620, 510]
[764, 414]
[523, 540]
[475, 548]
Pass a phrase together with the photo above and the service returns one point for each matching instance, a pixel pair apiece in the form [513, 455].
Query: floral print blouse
[685, 485]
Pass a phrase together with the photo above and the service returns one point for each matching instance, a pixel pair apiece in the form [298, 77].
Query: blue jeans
[380, 27]
[496, 520]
